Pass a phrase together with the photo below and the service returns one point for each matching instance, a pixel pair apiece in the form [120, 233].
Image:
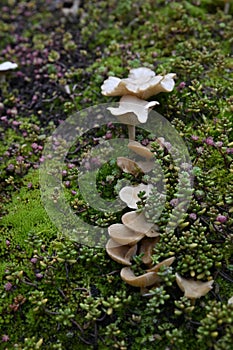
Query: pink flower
[5, 338]
[8, 286]
[174, 202]
[193, 216]
[181, 86]
[34, 145]
[221, 218]
[209, 141]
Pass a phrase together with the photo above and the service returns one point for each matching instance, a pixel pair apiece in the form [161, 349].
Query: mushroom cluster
[135, 236]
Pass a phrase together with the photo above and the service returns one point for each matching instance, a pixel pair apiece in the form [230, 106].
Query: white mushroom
[5, 67]
[129, 194]
[128, 166]
[146, 249]
[123, 235]
[145, 280]
[134, 168]
[230, 301]
[129, 105]
[137, 222]
[140, 149]
[193, 289]
[70, 7]
[141, 82]
[166, 262]
[120, 253]
[132, 111]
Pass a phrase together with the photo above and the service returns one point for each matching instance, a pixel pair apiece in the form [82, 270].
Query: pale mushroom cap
[168, 83]
[137, 222]
[123, 235]
[128, 166]
[129, 194]
[121, 254]
[145, 280]
[112, 87]
[167, 262]
[132, 104]
[146, 249]
[141, 82]
[140, 149]
[72, 11]
[5, 66]
[147, 166]
[193, 289]
[230, 301]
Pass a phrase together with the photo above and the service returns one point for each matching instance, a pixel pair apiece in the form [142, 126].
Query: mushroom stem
[226, 7]
[131, 132]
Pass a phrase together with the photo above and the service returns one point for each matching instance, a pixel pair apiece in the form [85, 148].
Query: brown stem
[131, 132]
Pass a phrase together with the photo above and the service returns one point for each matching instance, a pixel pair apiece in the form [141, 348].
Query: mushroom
[166, 262]
[70, 7]
[145, 280]
[120, 253]
[128, 166]
[5, 68]
[141, 82]
[131, 167]
[129, 194]
[146, 248]
[193, 289]
[132, 111]
[148, 279]
[137, 222]
[124, 235]
[230, 301]
[140, 150]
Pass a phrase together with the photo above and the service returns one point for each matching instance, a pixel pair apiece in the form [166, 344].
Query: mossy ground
[56, 293]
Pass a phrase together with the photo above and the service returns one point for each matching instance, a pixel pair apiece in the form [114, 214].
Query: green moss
[72, 296]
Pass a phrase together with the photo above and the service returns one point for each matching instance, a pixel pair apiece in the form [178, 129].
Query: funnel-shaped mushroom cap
[120, 253]
[123, 235]
[145, 280]
[129, 194]
[5, 66]
[166, 262]
[129, 166]
[140, 149]
[146, 166]
[134, 168]
[113, 87]
[141, 82]
[193, 289]
[131, 104]
[146, 249]
[137, 222]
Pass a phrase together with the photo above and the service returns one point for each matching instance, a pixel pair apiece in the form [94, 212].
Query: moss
[71, 296]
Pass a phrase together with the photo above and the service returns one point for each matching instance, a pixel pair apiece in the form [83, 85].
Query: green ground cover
[55, 292]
